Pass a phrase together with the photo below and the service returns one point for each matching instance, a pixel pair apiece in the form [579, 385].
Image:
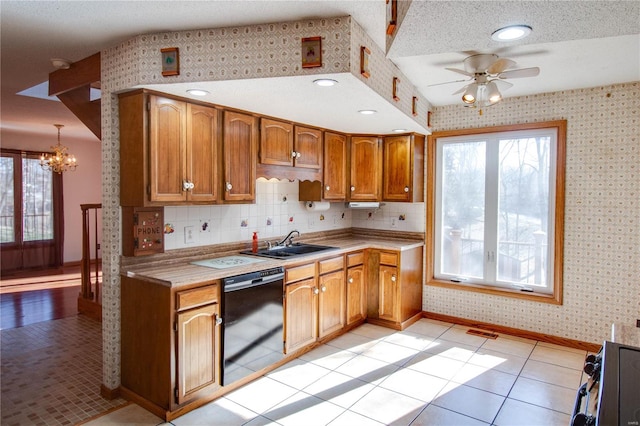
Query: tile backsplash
[276, 212]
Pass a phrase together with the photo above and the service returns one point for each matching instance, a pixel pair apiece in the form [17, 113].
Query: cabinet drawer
[197, 297]
[354, 259]
[330, 265]
[300, 272]
[389, 258]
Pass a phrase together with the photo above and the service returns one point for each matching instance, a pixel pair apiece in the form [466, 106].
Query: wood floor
[32, 297]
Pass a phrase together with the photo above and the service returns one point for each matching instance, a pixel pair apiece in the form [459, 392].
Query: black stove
[612, 393]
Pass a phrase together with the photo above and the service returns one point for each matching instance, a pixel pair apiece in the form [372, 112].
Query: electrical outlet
[638, 323]
[394, 222]
[189, 235]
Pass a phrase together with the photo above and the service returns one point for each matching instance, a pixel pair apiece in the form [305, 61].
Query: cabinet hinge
[175, 392]
[284, 346]
[148, 106]
[175, 326]
[148, 189]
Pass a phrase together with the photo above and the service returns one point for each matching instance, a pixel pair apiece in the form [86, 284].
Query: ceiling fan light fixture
[470, 94]
[511, 33]
[493, 94]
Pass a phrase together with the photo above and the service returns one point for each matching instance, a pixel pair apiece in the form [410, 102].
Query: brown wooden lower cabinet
[314, 302]
[301, 314]
[394, 296]
[170, 347]
[356, 288]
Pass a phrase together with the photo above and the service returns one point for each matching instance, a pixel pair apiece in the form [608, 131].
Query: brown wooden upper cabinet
[366, 169]
[335, 167]
[240, 141]
[403, 168]
[283, 144]
[167, 151]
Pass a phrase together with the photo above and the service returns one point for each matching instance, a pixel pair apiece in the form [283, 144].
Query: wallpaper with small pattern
[602, 214]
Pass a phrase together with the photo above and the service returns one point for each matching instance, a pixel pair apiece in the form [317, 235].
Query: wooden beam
[82, 73]
[88, 112]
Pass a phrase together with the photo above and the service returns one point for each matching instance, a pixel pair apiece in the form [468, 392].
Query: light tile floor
[432, 373]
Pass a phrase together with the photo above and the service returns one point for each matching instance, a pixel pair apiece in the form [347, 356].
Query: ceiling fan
[487, 73]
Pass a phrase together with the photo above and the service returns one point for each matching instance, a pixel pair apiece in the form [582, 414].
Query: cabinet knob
[393, 278]
[229, 186]
[218, 321]
[327, 188]
[316, 291]
[293, 154]
[406, 189]
[353, 188]
[324, 289]
[297, 155]
[187, 185]
[350, 280]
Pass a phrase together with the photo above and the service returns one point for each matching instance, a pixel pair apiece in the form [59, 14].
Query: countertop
[625, 335]
[182, 273]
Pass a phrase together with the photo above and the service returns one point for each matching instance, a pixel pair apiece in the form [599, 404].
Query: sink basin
[294, 250]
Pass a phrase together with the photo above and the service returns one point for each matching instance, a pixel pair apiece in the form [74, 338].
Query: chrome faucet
[288, 240]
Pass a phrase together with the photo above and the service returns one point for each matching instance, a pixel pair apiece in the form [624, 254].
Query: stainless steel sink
[286, 252]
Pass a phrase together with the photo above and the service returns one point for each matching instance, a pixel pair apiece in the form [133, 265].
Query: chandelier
[59, 161]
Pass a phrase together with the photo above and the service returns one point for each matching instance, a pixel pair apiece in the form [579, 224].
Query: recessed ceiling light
[367, 111]
[325, 82]
[511, 33]
[197, 92]
[399, 130]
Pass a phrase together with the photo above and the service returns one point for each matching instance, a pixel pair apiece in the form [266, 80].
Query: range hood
[364, 205]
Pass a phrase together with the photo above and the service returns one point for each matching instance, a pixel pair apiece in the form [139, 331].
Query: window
[30, 212]
[496, 209]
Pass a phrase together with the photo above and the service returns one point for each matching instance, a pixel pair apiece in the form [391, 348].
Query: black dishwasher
[252, 314]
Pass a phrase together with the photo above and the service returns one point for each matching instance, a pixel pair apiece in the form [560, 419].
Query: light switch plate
[189, 235]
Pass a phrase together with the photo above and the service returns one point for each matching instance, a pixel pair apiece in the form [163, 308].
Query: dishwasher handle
[241, 285]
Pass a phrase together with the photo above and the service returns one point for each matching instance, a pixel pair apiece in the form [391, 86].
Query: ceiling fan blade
[457, 92]
[463, 72]
[522, 72]
[500, 65]
[502, 85]
[447, 82]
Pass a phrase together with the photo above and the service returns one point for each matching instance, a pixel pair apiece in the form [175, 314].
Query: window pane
[462, 224]
[523, 210]
[7, 208]
[37, 201]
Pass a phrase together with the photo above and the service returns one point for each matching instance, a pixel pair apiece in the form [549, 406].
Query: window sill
[554, 299]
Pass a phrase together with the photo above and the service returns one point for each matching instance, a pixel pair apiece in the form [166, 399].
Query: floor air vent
[481, 333]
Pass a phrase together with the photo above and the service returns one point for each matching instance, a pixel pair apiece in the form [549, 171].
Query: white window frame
[552, 291]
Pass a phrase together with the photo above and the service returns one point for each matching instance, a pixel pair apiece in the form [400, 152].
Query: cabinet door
[388, 293]
[301, 313]
[365, 169]
[276, 142]
[335, 167]
[239, 146]
[331, 303]
[167, 137]
[396, 167]
[198, 352]
[356, 295]
[308, 148]
[202, 170]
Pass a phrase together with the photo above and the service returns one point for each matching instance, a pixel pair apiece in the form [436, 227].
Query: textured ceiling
[575, 44]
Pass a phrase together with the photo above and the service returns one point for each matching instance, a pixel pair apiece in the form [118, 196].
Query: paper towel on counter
[317, 206]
